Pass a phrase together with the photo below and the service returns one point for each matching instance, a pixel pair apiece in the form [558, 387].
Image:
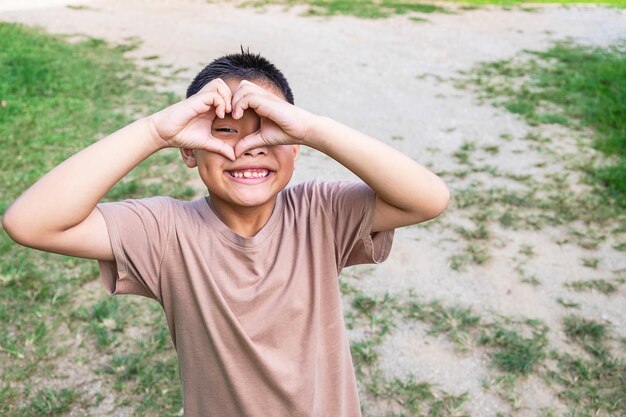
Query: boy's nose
[260, 151]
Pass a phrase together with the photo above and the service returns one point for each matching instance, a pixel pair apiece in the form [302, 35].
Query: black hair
[243, 65]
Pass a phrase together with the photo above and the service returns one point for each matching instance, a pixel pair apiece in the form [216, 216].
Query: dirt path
[384, 77]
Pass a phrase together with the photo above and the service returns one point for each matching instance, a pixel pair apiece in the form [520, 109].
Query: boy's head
[242, 66]
[257, 176]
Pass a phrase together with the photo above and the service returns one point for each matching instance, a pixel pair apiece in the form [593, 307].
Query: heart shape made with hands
[274, 112]
[185, 124]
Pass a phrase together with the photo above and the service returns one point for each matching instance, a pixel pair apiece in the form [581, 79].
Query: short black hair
[243, 65]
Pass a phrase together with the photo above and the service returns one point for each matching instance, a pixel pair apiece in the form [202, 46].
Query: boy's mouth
[249, 173]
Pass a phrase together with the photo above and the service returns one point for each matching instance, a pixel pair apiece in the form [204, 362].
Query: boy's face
[257, 176]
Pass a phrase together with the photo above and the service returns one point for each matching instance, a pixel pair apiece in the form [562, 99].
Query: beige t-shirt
[256, 321]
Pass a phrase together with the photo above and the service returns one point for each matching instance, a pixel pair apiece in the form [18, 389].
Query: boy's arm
[58, 213]
[406, 192]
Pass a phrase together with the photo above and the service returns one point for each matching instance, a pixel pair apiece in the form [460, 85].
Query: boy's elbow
[11, 225]
[440, 202]
[437, 204]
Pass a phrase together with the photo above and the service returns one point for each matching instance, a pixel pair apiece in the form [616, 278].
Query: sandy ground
[369, 75]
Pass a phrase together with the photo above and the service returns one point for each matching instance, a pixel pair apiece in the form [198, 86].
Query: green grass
[377, 9]
[594, 385]
[48, 402]
[56, 99]
[582, 329]
[575, 86]
[456, 322]
[369, 9]
[601, 285]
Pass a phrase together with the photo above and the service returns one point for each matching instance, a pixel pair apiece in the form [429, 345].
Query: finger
[260, 103]
[224, 91]
[221, 147]
[244, 89]
[251, 141]
[203, 102]
[219, 87]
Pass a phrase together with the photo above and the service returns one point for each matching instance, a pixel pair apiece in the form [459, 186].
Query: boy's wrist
[152, 131]
[317, 133]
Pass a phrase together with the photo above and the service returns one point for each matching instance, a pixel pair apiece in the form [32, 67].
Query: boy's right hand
[187, 124]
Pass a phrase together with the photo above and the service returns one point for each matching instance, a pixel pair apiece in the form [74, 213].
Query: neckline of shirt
[245, 242]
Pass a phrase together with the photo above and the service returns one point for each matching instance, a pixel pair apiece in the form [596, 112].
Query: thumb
[251, 141]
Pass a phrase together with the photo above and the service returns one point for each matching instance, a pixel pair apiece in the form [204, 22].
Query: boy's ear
[296, 151]
[189, 156]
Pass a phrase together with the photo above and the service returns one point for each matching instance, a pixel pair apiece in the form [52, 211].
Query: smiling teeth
[249, 174]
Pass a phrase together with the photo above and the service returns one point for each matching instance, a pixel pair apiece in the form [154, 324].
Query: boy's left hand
[282, 123]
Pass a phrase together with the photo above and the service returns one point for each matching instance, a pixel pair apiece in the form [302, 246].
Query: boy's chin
[246, 198]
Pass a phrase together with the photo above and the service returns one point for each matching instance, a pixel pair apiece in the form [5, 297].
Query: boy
[248, 275]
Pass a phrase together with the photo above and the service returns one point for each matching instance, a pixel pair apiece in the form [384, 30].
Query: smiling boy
[247, 276]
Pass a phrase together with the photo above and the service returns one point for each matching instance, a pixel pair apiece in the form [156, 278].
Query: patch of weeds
[474, 253]
[397, 138]
[149, 370]
[528, 279]
[583, 330]
[527, 250]
[620, 247]
[505, 386]
[589, 238]
[591, 262]
[417, 398]
[532, 280]
[456, 322]
[130, 44]
[375, 312]
[515, 353]
[104, 320]
[464, 152]
[480, 232]
[601, 285]
[567, 304]
[491, 149]
[364, 353]
[78, 7]
[58, 98]
[49, 402]
[574, 86]
[368, 9]
[590, 387]
[537, 206]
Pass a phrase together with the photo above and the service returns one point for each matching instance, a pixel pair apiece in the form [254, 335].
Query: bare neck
[245, 221]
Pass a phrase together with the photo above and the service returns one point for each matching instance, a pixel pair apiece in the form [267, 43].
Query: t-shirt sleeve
[138, 231]
[349, 207]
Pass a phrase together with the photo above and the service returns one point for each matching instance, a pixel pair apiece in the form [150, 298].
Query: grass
[368, 9]
[515, 353]
[581, 88]
[377, 9]
[56, 99]
[593, 385]
[575, 86]
[456, 322]
[518, 348]
[600, 285]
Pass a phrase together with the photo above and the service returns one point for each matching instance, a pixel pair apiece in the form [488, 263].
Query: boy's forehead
[233, 83]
